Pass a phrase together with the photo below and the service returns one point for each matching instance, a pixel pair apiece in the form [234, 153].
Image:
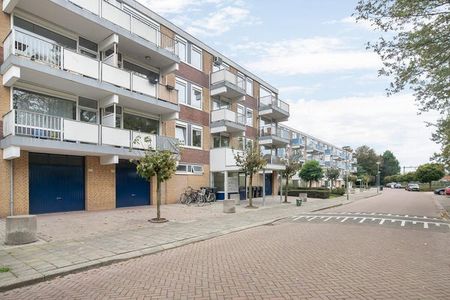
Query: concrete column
[226, 185]
[281, 188]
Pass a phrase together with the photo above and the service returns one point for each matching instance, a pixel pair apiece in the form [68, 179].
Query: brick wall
[194, 156]
[178, 183]
[100, 184]
[193, 115]
[4, 187]
[192, 74]
[21, 184]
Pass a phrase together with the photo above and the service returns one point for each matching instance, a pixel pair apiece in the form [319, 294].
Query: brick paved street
[89, 242]
[290, 259]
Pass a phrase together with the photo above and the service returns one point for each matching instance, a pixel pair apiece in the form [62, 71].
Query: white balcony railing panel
[80, 64]
[116, 76]
[116, 137]
[91, 5]
[116, 15]
[143, 30]
[8, 123]
[80, 132]
[143, 140]
[142, 85]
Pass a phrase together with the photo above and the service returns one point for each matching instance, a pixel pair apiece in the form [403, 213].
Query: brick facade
[193, 115]
[21, 184]
[4, 186]
[193, 75]
[100, 183]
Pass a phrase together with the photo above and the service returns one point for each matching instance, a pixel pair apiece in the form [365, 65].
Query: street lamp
[378, 176]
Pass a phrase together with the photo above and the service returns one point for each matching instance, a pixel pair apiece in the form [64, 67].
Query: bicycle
[205, 196]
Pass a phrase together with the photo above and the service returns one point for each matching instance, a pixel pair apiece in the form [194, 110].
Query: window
[221, 141]
[196, 57]
[190, 169]
[219, 104]
[196, 97]
[181, 49]
[180, 134]
[249, 87]
[181, 87]
[44, 104]
[88, 48]
[87, 110]
[249, 117]
[196, 137]
[139, 123]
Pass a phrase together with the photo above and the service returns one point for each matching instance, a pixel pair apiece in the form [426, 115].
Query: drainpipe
[11, 188]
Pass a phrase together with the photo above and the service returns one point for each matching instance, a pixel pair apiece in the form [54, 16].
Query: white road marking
[425, 225]
[297, 218]
[327, 219]
[382, 221]
[362, 220]
[345, 219]
[403, 223]
[437, 224]
[414, 222]
[312, 218]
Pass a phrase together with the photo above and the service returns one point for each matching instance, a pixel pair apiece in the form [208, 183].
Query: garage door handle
[133, 195]
[59, 198]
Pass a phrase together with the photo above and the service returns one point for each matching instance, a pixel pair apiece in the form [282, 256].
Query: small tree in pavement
[430, 172]
[292, 165]
[311, 171]
[250, 161]
[332, 174]
[159, 164]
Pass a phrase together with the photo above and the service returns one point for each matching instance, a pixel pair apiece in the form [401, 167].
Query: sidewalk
[43, 260]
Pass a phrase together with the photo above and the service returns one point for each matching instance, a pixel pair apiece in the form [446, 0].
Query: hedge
[321, 194]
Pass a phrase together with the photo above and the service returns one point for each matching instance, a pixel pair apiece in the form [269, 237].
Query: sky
[315, 54]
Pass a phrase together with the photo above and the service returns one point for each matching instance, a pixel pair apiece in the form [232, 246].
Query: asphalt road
[295, 258]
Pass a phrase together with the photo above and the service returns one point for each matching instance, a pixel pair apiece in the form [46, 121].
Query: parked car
[447, 191]
[441, 191]
[413, 187]
[391, 185]
[398, 186]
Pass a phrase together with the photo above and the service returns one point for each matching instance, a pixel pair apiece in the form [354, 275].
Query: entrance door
[268, 183]
[131, 189]
[56, 183]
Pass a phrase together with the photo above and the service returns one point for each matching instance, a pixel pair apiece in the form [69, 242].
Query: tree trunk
[250, 197]
[158, 198]
[310, 183]
[286, 190]
[430, 185]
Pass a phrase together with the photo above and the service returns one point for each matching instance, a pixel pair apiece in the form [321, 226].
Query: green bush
[321, 194]
[338, 191]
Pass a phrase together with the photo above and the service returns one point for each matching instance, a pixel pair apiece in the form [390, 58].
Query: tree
[389, 165]
[415, 50]
[311, 171]
[159, 164]
[250, 161]
[366, 161]
[292, 165]
[332, 174]
[442, 137]
[430, 172]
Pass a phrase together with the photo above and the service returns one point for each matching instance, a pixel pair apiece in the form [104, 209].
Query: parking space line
[382, 221]
[425, 225]
[362, 220]
[403, 223]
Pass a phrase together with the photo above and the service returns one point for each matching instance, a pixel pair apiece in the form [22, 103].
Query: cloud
[362, 24]
[308, 56]
[305, 90]
[380, 122]
[204, 17]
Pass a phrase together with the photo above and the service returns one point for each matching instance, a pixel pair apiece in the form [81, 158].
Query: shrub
[321, 194]
[338, 191]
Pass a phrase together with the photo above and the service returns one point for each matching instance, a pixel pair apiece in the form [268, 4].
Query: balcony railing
[125, 19]
[299, 142]
[38, 49]
[42, 126]
[227, 115]
[272, 101]
[273, 159]
[273, 131]
[226, 76]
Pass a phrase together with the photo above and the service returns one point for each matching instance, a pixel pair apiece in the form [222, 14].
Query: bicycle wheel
[182, 199]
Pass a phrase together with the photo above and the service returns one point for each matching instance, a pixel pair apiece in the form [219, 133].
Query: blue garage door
[56, 183]
[268, 184]
[131, 190]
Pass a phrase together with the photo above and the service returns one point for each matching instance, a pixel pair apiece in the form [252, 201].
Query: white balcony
[224, 83]
[225, 120]
[46, 128]
[95, 19]
[273, 136]
[273, 108]
[31, 56]
[222, 159]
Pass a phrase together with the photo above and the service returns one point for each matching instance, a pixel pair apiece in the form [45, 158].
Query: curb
[443, 212]
[106, 261]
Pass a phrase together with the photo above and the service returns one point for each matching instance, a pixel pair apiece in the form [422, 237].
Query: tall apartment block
[82, 79]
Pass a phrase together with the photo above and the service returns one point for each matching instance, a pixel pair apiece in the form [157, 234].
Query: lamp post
[378, 177]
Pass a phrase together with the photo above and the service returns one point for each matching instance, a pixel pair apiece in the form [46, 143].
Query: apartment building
[306, 147]
[82, 79]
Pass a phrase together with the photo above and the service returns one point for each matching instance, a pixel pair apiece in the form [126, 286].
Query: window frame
[249, 110]
[196, 128]
[198, 89]
[249, 81]
[180, 40]
[198, 50]
[182, 83]
[186, 137]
